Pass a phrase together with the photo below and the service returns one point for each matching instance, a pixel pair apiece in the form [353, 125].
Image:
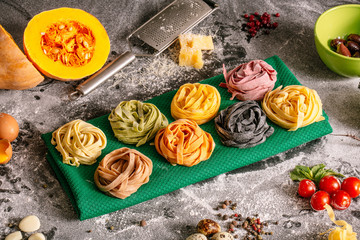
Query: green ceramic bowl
[336, 22]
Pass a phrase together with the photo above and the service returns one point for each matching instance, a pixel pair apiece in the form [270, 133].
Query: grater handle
[102, 75]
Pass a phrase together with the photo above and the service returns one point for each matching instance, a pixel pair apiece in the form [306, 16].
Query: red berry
[251, 17]
[340, 200]
[319, 200]
[351, 185]
[329, 184]
[275, 25]
[256, 13]
[306, 188]
[257, 23]
[277, 15]
[246, 15]
[253, 34]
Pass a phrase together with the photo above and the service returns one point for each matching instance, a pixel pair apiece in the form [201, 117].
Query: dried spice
[256, 22]
[143, 223]
[252, 225]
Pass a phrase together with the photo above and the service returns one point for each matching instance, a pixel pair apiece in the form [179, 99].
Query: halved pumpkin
[66, 43]
[16, 71]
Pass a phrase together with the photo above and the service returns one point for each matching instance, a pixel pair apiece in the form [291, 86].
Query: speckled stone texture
[28, 185]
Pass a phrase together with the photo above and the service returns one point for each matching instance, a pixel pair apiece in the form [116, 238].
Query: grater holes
[168, 24]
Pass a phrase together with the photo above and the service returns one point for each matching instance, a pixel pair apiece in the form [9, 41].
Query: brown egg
[9, 128]
[5, 151]
[208, 227]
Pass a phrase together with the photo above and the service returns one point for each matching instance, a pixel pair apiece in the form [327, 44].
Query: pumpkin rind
[16, 71]
[56, 69]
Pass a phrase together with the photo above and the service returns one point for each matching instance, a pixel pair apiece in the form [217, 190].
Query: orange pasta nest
[183, 142]
[122, 172]
[197, 102]
[293, 106]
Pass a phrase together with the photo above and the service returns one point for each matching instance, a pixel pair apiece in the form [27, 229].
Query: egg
[197, 236]
[5, 151]
[208, 227]
[9, 128]
[222, 236]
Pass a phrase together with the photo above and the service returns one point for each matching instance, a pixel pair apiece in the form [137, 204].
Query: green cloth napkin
[89, 202]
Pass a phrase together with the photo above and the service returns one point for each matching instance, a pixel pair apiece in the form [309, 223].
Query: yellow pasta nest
[293, 106]
[122, 172]
[344, 232]
[183, 142]
[197, 102]
[79, 142]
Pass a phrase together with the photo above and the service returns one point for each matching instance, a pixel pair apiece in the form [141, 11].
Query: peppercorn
[143, 223]
[245, 224]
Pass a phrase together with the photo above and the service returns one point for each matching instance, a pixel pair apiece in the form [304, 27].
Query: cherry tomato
[351, 185]
[319, 200]
[340, 200]
[306, 188]
[329, 184]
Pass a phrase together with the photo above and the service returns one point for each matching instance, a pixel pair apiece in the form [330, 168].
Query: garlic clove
[29, 224]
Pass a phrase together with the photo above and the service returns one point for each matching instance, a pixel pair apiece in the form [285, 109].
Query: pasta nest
[243, 125]
[293, 106]
[197, 102]
[135, 122]
[79, 142]
[183, 142]
[122, 172]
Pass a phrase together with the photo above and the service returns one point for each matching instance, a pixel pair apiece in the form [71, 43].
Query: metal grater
[158, 33]
[177, 18]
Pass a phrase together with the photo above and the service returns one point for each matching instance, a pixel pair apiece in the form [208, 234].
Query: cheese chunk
[196, 41]
[191, 57]
[190, 49]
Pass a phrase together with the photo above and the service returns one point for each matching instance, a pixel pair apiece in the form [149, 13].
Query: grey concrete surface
[28, 185]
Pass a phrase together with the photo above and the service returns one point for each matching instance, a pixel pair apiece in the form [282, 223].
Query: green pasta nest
[135, 122]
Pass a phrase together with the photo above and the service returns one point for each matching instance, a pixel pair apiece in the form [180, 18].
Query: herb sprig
[314, 173]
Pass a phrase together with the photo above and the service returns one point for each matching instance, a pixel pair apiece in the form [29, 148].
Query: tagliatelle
[339, 233]
[250, 81]
[293, 106]
[79, 142]
[183, 142]
[134, 122]
[122, 172]
[197, 102]
[243, 125]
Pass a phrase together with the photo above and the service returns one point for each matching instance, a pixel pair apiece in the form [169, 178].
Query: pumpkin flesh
[66, 43]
